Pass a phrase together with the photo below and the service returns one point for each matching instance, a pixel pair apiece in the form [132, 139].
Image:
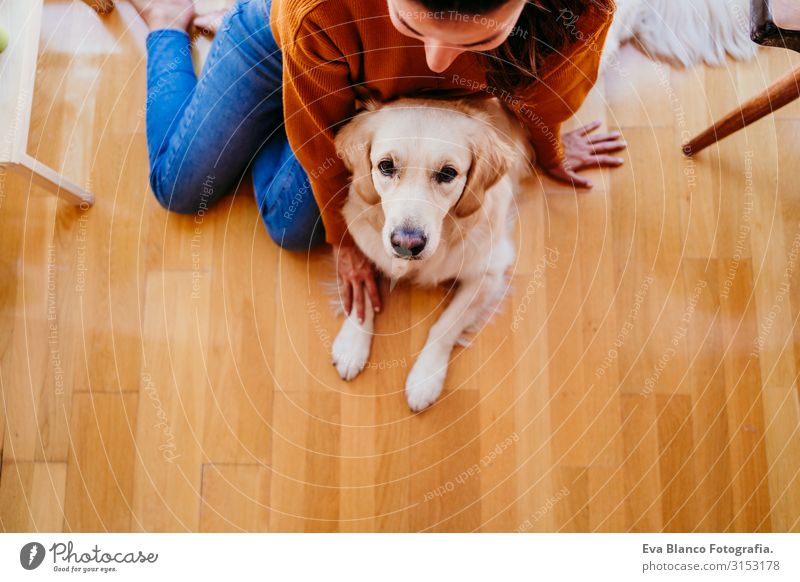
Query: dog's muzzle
[408, 242]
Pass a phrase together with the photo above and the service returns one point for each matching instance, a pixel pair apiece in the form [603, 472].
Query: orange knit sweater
[336, 52]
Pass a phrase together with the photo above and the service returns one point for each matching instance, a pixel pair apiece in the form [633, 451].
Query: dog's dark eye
[386, 168]
[446, 174]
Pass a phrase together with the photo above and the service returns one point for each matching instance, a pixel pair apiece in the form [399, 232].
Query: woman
[284, 75]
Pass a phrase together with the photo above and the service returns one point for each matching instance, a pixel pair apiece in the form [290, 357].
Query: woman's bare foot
[209, 22]
[161, 14]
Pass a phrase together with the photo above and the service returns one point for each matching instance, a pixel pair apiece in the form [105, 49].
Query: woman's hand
[586, 151]
[356, 273]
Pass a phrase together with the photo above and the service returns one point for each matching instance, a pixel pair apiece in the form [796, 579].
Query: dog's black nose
[408, 242]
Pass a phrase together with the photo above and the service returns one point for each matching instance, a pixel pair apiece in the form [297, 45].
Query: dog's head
[422, 161]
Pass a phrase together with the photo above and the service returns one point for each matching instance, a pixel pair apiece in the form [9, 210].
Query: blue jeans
[204, 134]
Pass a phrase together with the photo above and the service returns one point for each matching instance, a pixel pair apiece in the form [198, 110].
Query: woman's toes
[210, 22]
[161, 14]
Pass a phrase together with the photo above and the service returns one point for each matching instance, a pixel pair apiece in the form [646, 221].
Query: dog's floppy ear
[353, 145]
[491, 158]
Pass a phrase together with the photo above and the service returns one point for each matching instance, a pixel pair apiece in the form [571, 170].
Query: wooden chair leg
[781, 92]
[101, 6]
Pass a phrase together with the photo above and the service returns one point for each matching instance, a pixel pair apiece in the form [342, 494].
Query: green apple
[3, 40]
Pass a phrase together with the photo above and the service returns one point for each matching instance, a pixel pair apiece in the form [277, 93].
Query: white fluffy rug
[683, 32]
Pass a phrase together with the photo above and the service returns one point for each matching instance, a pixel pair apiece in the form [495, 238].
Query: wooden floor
[172, 373]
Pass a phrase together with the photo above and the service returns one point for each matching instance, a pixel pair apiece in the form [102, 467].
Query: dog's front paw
[351, 350]
[426, 379]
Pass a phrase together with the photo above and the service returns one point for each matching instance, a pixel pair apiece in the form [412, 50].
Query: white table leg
[52, 181]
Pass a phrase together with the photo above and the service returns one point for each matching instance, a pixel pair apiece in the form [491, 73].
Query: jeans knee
[296, 240]
[179, 196]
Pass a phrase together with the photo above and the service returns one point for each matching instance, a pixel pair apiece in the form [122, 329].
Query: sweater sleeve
[558, 95]
[318, 98]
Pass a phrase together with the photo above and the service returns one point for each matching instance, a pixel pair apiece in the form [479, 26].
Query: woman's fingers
[358, 300]
[598, 161]
[608, 161]
[374, 295]
[612, 136]
[579, 180]
[609, 146]
[587, 151]
[590, 127]
[570, 176]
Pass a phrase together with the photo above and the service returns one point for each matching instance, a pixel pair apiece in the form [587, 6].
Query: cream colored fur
[465, 221]
[683, 32]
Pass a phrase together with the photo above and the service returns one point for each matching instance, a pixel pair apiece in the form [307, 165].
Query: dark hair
[544, 27]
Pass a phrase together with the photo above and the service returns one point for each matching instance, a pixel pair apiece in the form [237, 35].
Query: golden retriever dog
[431, 193]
